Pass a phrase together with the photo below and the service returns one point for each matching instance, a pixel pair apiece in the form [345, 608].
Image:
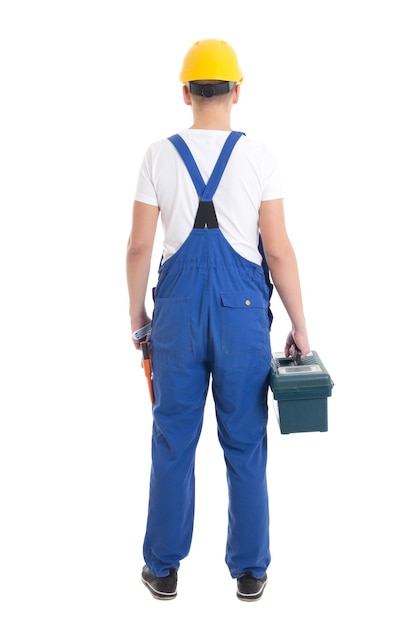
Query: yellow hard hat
[211, 59]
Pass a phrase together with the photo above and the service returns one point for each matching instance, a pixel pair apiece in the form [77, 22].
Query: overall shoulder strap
[206, 192]
[220, 166]
[190, 163]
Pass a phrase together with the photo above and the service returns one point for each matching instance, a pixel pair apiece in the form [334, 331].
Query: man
[211, 317]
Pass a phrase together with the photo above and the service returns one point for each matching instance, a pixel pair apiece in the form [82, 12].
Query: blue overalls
[211, 318]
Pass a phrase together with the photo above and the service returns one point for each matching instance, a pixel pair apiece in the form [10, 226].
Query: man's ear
[236, 93]
[186, 95]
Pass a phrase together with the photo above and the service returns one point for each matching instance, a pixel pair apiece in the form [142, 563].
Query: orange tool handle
[147, 366]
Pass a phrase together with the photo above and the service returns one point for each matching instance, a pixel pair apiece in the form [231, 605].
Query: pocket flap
[243, 300]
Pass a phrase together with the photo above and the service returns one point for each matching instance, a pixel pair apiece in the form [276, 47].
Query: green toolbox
[300, 390]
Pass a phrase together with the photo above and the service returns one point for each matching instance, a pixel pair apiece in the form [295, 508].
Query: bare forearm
[285, 276]
[137, 271]
[284, 273]
[138, 262]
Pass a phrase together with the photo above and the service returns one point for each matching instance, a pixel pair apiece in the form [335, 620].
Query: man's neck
[211, 120]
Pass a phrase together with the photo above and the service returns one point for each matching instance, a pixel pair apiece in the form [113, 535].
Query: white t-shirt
[251, 176]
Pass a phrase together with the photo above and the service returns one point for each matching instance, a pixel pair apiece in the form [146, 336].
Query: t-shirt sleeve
[145, 190]
[272, 181]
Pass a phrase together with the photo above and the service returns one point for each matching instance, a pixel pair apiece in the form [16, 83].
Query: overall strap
[206, 215]
[206, 192]
[190, 163]
[220, 166]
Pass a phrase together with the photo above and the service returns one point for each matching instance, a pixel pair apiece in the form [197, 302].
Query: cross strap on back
[205, 191]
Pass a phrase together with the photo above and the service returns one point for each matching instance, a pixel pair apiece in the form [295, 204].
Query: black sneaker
[250, 588]
[164, 588]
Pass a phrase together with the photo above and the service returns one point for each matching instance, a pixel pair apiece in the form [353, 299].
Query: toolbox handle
[297, 359]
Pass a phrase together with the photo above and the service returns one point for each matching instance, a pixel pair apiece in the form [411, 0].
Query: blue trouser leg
[180, 386]
[241, 408]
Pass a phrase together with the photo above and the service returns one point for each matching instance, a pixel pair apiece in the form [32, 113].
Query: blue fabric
[210, 323]
[206, 192]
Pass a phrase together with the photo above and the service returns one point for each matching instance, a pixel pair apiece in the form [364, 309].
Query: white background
[330, 86]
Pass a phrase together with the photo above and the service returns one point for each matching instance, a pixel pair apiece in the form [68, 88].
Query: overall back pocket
[244, 322]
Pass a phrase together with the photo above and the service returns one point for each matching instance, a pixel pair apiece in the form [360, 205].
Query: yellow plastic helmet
[211, 59]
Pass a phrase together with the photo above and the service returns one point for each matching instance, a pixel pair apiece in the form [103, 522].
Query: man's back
[251, 176]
